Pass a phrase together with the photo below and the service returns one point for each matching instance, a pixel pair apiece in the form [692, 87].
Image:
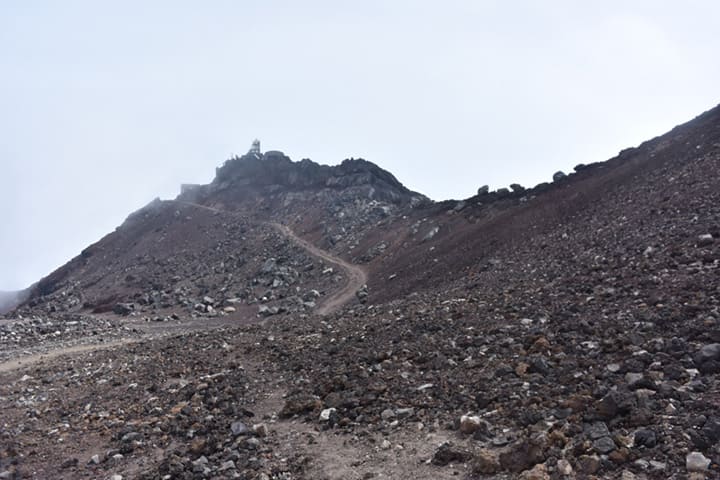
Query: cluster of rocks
[351, 221]
[283, 291]
[516, 190]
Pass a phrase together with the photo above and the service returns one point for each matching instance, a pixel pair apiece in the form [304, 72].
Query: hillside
[292, 320]
[215, 240]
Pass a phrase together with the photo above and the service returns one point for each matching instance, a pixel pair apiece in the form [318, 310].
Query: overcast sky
[105, 105]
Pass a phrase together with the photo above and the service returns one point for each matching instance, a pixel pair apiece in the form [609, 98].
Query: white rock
[613, 367]
[705, 239]
[325, 414]
[433, 231]
[696, 462]
[388, 414]
[564, 467]
[628, 475]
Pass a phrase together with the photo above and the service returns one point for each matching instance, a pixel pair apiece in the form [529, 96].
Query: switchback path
[355, 274]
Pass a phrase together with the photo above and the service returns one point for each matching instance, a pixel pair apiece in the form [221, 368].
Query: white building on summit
[255, 147]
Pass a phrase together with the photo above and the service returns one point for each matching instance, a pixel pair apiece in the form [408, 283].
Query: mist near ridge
[10, 300]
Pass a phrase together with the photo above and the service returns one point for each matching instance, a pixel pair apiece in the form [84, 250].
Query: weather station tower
[255, 148]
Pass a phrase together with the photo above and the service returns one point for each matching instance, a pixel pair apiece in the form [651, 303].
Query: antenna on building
[255, 148]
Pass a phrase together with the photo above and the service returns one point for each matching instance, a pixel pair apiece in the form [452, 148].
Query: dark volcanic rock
[448, 453]
[707, 353]
[274, 170]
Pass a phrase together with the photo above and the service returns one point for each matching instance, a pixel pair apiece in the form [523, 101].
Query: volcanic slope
[564, 331]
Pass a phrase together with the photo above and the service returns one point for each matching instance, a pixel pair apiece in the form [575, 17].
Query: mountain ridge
[304, 194]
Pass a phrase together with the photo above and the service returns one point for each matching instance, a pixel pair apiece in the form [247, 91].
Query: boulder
[448, 453]
[469, 424]
[486, 462]
[705, 239]
[707, 353]
[696, 462]
[522, 456]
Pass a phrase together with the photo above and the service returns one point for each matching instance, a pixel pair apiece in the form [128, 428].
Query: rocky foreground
[422, 390]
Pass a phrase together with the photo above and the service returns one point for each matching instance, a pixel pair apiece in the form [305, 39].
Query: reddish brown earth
[571, 330]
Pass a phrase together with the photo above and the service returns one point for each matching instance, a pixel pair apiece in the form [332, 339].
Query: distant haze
[106, 105]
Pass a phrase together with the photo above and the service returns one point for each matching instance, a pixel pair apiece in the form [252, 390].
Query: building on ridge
[255, 148]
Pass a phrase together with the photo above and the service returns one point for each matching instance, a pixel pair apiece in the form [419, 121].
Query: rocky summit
[292, 320]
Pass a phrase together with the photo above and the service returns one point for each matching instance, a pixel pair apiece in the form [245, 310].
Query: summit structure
[255, 148]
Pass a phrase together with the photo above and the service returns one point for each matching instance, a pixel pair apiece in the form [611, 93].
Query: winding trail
[355, 278]
[355, 275]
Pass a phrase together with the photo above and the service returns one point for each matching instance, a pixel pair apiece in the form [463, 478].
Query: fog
[106, 105]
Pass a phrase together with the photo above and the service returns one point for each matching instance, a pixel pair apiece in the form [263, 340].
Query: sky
[105, 105]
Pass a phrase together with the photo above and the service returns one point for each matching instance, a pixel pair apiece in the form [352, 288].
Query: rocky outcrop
[275, 173]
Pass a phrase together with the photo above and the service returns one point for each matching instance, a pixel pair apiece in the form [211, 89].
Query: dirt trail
[152, 331]
[356, 275]
[29, 360]
[337, 456]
